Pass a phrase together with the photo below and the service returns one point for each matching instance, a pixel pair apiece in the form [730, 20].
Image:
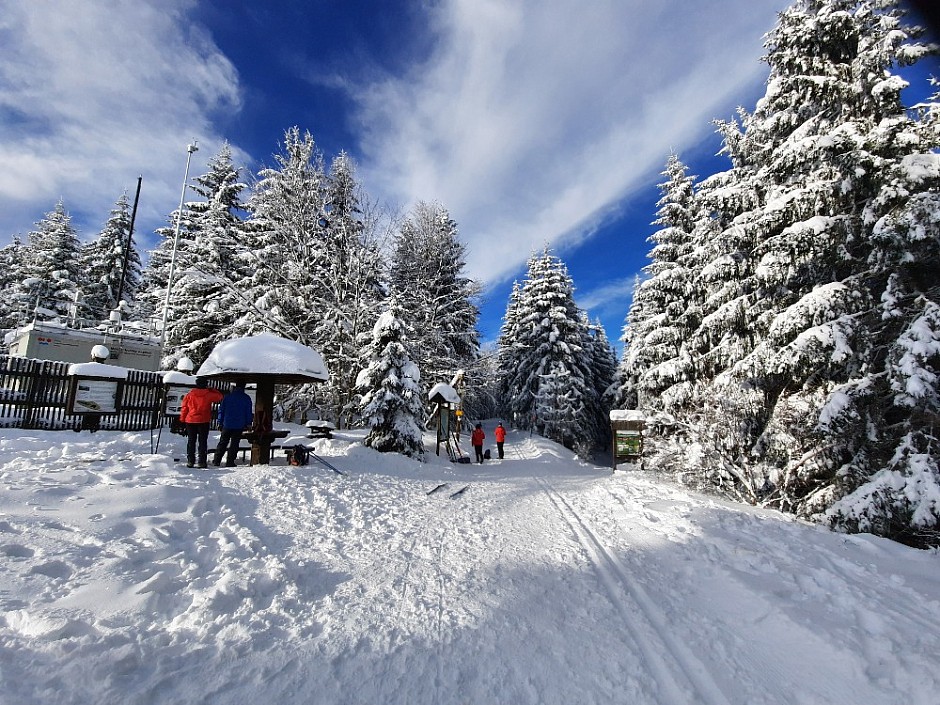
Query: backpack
[298, 455]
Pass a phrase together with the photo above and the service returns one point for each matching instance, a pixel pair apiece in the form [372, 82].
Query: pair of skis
[452, 495]
[320, 460]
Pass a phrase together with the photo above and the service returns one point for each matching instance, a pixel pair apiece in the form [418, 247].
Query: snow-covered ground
[127, 578]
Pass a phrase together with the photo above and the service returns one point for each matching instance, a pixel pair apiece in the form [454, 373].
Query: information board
[628, 443]
[174, 399]
[94, 395]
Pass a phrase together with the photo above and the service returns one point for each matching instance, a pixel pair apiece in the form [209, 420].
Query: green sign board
[628, 443]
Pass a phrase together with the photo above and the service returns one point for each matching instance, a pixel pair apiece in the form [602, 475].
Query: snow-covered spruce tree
[315, 268]
[391, 403]
[52, 275]
[480, 393]
[548, 376]
[103, 261]
[215, 261]
[151, 294]
[827, 202]
[625, 379]
[286, 243]
[822, 141]
[887, 419]
[202, 306]
[438, 301]
[662, 316]
[351, 290]
[507, 349]
[603, 365]
[14, 304]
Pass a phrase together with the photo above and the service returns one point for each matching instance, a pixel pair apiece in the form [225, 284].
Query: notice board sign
[173, 403]
[95, 395]
[628, 443]
[626, 430]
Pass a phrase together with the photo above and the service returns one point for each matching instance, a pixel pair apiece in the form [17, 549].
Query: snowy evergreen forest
[304, 253]
[784, 341]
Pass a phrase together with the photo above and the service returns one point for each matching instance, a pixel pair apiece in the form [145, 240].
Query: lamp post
[176, 241]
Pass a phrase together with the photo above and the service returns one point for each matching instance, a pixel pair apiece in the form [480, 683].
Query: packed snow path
[125, 577]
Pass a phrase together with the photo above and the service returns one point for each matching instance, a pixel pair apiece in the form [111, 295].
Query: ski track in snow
[620, 588]
[127, 578]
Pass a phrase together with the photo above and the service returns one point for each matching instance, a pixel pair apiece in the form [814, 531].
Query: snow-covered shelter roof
[177, 377]
[443, 394]
[264, 356]
[627, 415]
[97, 369]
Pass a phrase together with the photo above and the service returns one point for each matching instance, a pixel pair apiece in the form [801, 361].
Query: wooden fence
[34, 394]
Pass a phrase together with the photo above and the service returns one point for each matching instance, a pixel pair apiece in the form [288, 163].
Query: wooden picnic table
[261, 445]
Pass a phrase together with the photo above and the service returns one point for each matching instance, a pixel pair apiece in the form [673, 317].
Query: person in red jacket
[500, 434]
[476, 440]
[196, 413]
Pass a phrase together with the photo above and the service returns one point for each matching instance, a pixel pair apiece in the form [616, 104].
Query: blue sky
[534, 122]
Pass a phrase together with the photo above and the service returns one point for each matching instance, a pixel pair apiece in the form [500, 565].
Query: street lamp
[176, 241]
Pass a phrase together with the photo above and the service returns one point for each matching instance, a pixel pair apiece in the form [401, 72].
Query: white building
[129, 347]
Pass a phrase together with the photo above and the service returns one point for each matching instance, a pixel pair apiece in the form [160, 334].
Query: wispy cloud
[530, 120]
[612, 296]
[93, 94]
[611, 291]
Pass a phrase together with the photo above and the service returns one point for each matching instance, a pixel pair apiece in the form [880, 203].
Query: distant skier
[476, 440]
[196, 413]
[500, 434]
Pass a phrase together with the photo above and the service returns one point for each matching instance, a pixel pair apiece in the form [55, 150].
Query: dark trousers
[499, 449]
[479, 451]
[197, 432]
[229, 439]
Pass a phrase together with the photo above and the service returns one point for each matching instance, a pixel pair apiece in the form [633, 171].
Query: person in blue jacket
[235, 415]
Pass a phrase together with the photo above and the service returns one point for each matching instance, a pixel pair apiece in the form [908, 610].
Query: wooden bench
[247, 449]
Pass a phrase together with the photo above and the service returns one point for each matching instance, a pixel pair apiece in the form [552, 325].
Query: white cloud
[614, 292]
[93, 94]
[531, 120]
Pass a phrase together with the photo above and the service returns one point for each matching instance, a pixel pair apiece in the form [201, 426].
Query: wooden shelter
[445, 397]
[266, 361]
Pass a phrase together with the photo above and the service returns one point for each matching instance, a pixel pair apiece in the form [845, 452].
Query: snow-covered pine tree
[480, 393]
[286, 243]
[627, 375]
[315, 268]
[391, 402]
[663, 316]
[152, 301]
[813, 291]
[885, 418]
[51, 275]
[603, 366]
[205, 304]
[13, 302]
[507, 349]
[548, 377]
[438, 301]
[103, 263]
[351, 291]
[829, 130]
[202, 306]
[151, 290]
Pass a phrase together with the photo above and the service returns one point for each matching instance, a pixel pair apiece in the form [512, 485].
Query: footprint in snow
[15, 550]
[53, 569]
